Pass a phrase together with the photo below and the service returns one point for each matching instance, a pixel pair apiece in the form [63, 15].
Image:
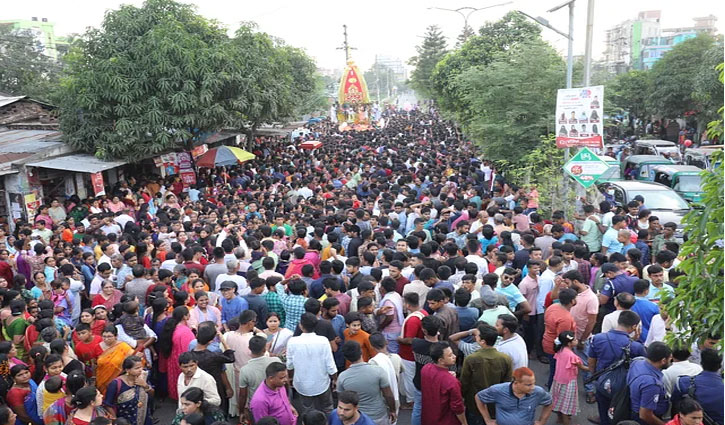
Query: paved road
[166, 409]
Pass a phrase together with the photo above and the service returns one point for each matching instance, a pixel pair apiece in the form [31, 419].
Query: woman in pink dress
[174, 340]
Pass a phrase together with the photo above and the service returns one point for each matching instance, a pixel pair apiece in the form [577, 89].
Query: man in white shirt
[311, 366]
[110, 227]
[622, 301]
[231, 274]
[681, 366]
[192, 376]
[510, 342]
[123, 218]
[103, 272]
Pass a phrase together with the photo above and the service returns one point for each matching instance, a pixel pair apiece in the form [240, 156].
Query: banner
[579, 117]
[188, 176]
[97, 182]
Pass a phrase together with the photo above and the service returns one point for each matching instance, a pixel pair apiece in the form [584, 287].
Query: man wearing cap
[491, 308]
[231, 304]
[617, 281]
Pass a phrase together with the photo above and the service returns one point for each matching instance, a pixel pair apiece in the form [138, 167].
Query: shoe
[544, 360]
[591, 399]
[594, 419]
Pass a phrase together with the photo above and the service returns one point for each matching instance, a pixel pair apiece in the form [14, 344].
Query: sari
[16, 328]
[108, 303]
[129, 402]
[180, 341]
[109, 364]
[98, 412]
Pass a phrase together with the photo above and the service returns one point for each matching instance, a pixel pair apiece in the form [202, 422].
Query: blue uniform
[647, 389]
[620, 283]
[709, 390]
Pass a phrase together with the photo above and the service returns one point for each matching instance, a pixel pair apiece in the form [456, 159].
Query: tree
[629, 91]
[379, 77]
[493, 40]
[511, 100]
[708, 88]
[429, 53]
[148, 81]
[673, 92]
[24, 69]
[464, 35]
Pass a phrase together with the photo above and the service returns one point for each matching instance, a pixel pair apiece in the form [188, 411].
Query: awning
[80, 163]
[7, 171]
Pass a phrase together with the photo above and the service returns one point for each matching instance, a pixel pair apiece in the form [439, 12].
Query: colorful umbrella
[223, 155]
[311, 144]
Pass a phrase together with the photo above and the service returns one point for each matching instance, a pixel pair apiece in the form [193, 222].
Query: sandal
[591, 399]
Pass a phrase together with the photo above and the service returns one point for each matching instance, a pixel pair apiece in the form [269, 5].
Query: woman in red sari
[109, 295]
[174, 340]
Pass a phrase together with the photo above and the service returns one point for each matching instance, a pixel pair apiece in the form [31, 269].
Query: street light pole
[471, 10]
[588, 45]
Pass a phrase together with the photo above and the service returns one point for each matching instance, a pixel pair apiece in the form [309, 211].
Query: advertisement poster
[97, 181]
[188, 177]
[586, 167]
[184, 160]
[579, 117]
[32, 203]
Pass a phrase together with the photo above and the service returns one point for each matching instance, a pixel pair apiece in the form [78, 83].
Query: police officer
[649, 400]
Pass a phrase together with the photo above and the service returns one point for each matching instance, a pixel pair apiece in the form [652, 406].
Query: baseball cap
[488, 296]
[228, 284]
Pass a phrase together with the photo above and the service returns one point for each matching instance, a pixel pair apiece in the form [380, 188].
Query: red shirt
[557, 319]
[441, 393]
[87, 351]
[400, 282]
[411, 329]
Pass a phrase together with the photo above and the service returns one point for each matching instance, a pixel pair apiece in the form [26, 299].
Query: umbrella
[223, 155]
[311, 144]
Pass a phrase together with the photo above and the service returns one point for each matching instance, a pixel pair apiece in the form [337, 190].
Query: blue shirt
[708, 392]
[646, 310]
[644, 248]
[513, 295]
[607, 348]
[646, 388]
[620, 283]
[656, 293]
[467, 317]
[609, 241]
[511, 410]
[232, 308]
[568, 237]
[335, 420]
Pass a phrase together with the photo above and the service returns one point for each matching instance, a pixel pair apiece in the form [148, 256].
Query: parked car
[663, 201]
[658, 147]
[700, 157]
[641, 167]
[684, 179]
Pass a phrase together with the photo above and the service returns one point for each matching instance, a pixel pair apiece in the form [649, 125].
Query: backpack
[706, 419]
[613, 379]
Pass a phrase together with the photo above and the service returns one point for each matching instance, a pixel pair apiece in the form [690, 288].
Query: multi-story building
[44, 32]
[624, 41]
[655, 47]
[394, 64]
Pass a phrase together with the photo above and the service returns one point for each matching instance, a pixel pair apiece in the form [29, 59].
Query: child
[564, 387]
[53, 391]
[354, 332]
[367, 318]
[88, 347]
[50, 269]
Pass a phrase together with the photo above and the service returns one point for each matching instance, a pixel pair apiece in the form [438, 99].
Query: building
[655, 47]
[395, 64]
[44, 32]
[624, 42]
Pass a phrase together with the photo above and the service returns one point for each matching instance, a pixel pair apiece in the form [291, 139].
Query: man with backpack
[706, 388]
[649, 400]
[605, 352]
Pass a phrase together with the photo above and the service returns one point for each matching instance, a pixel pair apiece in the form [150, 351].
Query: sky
[390, 27]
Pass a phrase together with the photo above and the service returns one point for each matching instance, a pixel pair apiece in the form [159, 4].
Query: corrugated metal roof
[6, 100]
[28, 141]
[80, 163]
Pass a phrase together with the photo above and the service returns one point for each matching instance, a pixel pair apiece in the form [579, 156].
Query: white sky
[390, 27]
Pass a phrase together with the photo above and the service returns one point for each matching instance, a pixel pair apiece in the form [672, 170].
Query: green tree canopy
[493, 40]
[675, 78]
[24, 68]
[511, 100]
[148, 81]
[429, 53]
[629, 92]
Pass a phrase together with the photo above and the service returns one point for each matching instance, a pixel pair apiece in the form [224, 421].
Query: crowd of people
[389, 269]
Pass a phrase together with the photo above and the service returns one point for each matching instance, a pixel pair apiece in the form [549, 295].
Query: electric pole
[345, 46]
